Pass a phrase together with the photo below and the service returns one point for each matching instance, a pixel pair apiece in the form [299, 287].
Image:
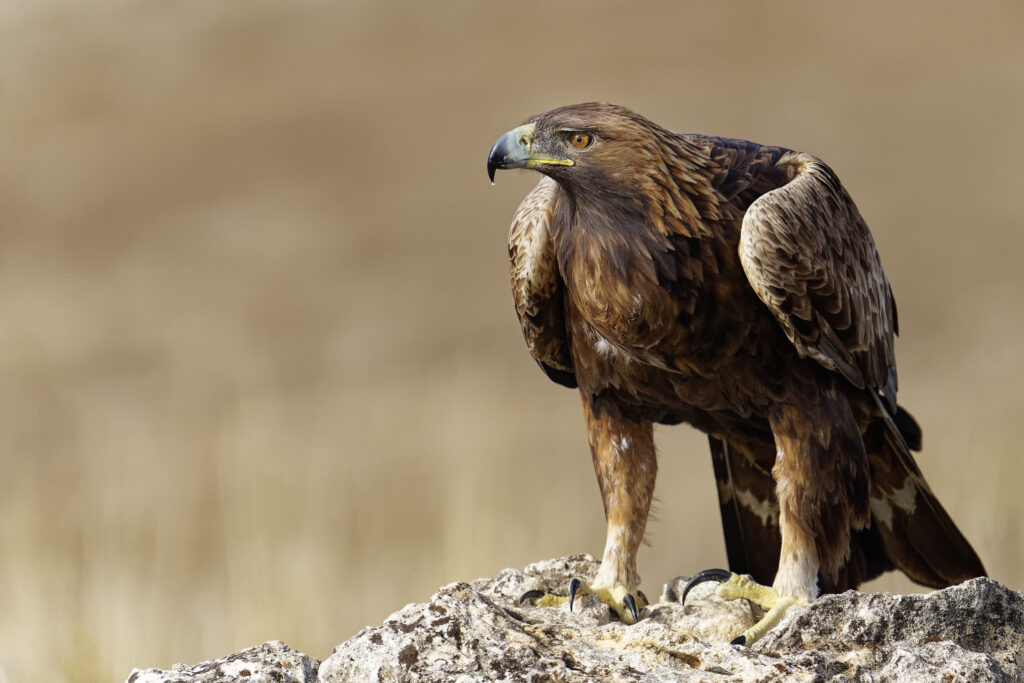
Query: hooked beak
[514, 150]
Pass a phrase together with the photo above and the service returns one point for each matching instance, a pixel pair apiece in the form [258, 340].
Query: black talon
[739, 640]
[719, 575]
[574, 586]
[630, 602]
[642, 596]
[531, 595]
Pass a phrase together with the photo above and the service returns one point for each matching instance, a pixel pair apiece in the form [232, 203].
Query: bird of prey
[735, 287]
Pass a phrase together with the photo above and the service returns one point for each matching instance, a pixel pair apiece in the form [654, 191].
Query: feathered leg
[821, 483]
[626, 466]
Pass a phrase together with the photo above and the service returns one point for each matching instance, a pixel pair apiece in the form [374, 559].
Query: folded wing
[537, 286]
[810, 257]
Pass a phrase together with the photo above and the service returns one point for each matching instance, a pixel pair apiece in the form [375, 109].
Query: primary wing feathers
[537, 286]
[810, 257]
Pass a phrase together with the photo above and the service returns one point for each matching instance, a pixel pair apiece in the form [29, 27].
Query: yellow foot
[736, 587]
[624, 603]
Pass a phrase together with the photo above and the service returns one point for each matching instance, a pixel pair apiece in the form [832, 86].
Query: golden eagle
[735, 287]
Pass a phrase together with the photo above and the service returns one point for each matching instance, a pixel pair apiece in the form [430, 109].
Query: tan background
[260, 376]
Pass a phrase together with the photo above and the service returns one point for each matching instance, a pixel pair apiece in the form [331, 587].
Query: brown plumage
[733, 286]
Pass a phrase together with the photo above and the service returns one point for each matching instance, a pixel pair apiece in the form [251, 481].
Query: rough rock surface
[272, 662]
[477, 631]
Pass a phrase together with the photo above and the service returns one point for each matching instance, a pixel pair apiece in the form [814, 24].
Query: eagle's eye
[579, 139]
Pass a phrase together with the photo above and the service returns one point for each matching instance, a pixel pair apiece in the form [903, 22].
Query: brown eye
[579, 140]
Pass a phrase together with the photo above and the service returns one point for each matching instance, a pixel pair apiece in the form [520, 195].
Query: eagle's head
[614, 162]
[603, 148]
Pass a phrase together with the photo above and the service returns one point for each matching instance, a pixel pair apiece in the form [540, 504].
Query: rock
[970, 632]
[477, 631]
[272, 662]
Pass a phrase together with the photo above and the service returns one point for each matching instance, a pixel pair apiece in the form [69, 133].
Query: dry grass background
[259, 371]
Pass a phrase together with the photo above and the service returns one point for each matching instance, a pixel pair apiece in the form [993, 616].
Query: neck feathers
[677, 192]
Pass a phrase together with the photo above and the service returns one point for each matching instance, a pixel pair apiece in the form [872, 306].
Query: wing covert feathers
[810, 258]
[537, 286]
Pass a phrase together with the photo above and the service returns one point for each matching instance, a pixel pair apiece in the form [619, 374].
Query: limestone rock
[272, 662]
[477, 631]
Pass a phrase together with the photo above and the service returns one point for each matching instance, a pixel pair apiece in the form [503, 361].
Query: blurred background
[260, 374]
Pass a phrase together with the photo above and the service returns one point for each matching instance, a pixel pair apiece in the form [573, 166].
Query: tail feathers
[918, 534]
[910, 530]
[750, 512]
[750, 519]
[908, 429]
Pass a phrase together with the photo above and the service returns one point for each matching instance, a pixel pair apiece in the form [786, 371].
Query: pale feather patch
[905, 498]
[636, 311]
[610, 351]
[615, 567]
[620, 446]
[766, 510]
[797, 576]
[605, 348]
[882, 512]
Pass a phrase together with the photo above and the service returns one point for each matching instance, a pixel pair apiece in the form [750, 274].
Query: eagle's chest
[620, 312]
[620, 297]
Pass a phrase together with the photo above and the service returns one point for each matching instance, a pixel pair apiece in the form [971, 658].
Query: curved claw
[738, 640]
[719, 575]
[630, 602]
[531, 595]
[574, 586]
